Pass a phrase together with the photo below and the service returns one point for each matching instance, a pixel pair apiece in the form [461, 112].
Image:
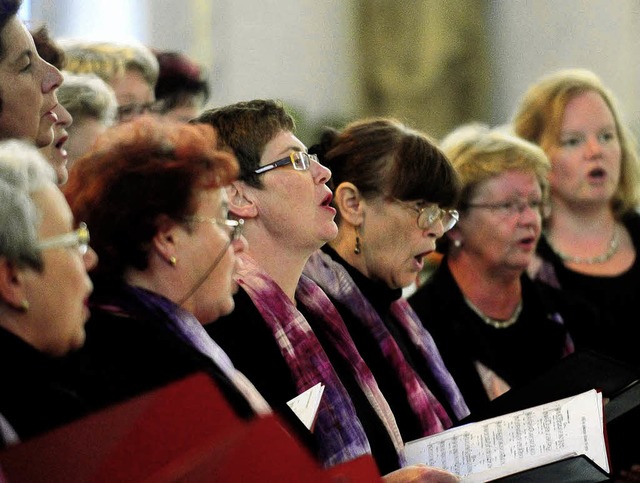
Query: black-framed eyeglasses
[300, 161]
[515, 207]
[78, 238]
[430, 213]
[234, 227]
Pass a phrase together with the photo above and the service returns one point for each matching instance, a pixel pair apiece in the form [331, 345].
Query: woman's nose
[90, 259]
[320, 173]
[436, 229]
[529, 214]
[64, 116]
[594, 147]
[52, 78]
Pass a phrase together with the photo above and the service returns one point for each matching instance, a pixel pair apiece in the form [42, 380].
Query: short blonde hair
[538, 119]
[109, 60]
[479, 153]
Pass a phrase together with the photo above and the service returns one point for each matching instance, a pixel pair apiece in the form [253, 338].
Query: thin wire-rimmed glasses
[78, 238]
[430, 213]
[300, 161]
[234, 227]
[515, 207]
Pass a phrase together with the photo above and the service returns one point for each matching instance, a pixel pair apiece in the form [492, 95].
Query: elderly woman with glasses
[494, 327]
[44, 289]
[389, 182]
[129, 68]
[154, 190]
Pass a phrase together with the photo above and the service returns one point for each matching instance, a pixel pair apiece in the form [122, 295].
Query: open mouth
[61, 142]
[597, 173]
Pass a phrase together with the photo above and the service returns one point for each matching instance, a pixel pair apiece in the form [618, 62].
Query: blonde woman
[591, 240]
[495, 328]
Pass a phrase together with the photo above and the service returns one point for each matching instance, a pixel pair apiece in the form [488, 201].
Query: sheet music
[518, 441]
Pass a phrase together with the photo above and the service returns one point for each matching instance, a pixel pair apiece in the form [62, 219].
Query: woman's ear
[12, 290]
[455, 237]
[240, 201]
[164, 240]
[350, 203]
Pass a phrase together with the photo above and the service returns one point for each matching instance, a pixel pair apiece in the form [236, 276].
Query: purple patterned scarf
[338, 430]
[184, 324]
[334, 279]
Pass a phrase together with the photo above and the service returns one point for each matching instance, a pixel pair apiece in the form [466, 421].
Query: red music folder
[185, 431]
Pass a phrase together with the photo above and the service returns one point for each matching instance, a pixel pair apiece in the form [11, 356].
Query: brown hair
[384, 157]
[8, 9]
[246, 128]
[180, 80]
[47, 48]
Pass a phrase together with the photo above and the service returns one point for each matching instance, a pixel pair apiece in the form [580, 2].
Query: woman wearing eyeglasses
[495, 328]
[154, 190]
[388, 182]
[44, 288]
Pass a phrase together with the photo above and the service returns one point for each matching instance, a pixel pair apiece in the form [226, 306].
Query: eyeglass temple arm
[267, 167]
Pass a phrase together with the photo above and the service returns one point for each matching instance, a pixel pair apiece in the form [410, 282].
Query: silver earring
[457, 243]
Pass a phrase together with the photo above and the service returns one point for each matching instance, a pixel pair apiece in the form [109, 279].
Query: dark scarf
[184, 324]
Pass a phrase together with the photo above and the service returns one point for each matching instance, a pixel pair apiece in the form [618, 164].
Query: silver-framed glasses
[78, 238]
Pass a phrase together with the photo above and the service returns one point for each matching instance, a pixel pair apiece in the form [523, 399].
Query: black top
[616, 297]
[381, 297]
[516, 354]
[127, 354]
[34, 396]
[250, 344]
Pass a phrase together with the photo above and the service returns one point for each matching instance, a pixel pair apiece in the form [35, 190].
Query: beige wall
[304, 51]
[533, 37]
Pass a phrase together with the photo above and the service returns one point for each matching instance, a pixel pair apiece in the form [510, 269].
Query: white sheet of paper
[521, 440]
[305, 405]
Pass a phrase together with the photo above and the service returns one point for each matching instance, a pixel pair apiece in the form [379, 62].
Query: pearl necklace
[614, 243]
[497, 324]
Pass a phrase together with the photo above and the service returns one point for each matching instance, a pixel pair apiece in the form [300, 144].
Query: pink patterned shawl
[339, 432]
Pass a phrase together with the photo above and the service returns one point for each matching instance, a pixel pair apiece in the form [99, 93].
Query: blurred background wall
[432, 63]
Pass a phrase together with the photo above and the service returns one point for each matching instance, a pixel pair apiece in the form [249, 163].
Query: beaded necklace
[497, 324]
[614, 244]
